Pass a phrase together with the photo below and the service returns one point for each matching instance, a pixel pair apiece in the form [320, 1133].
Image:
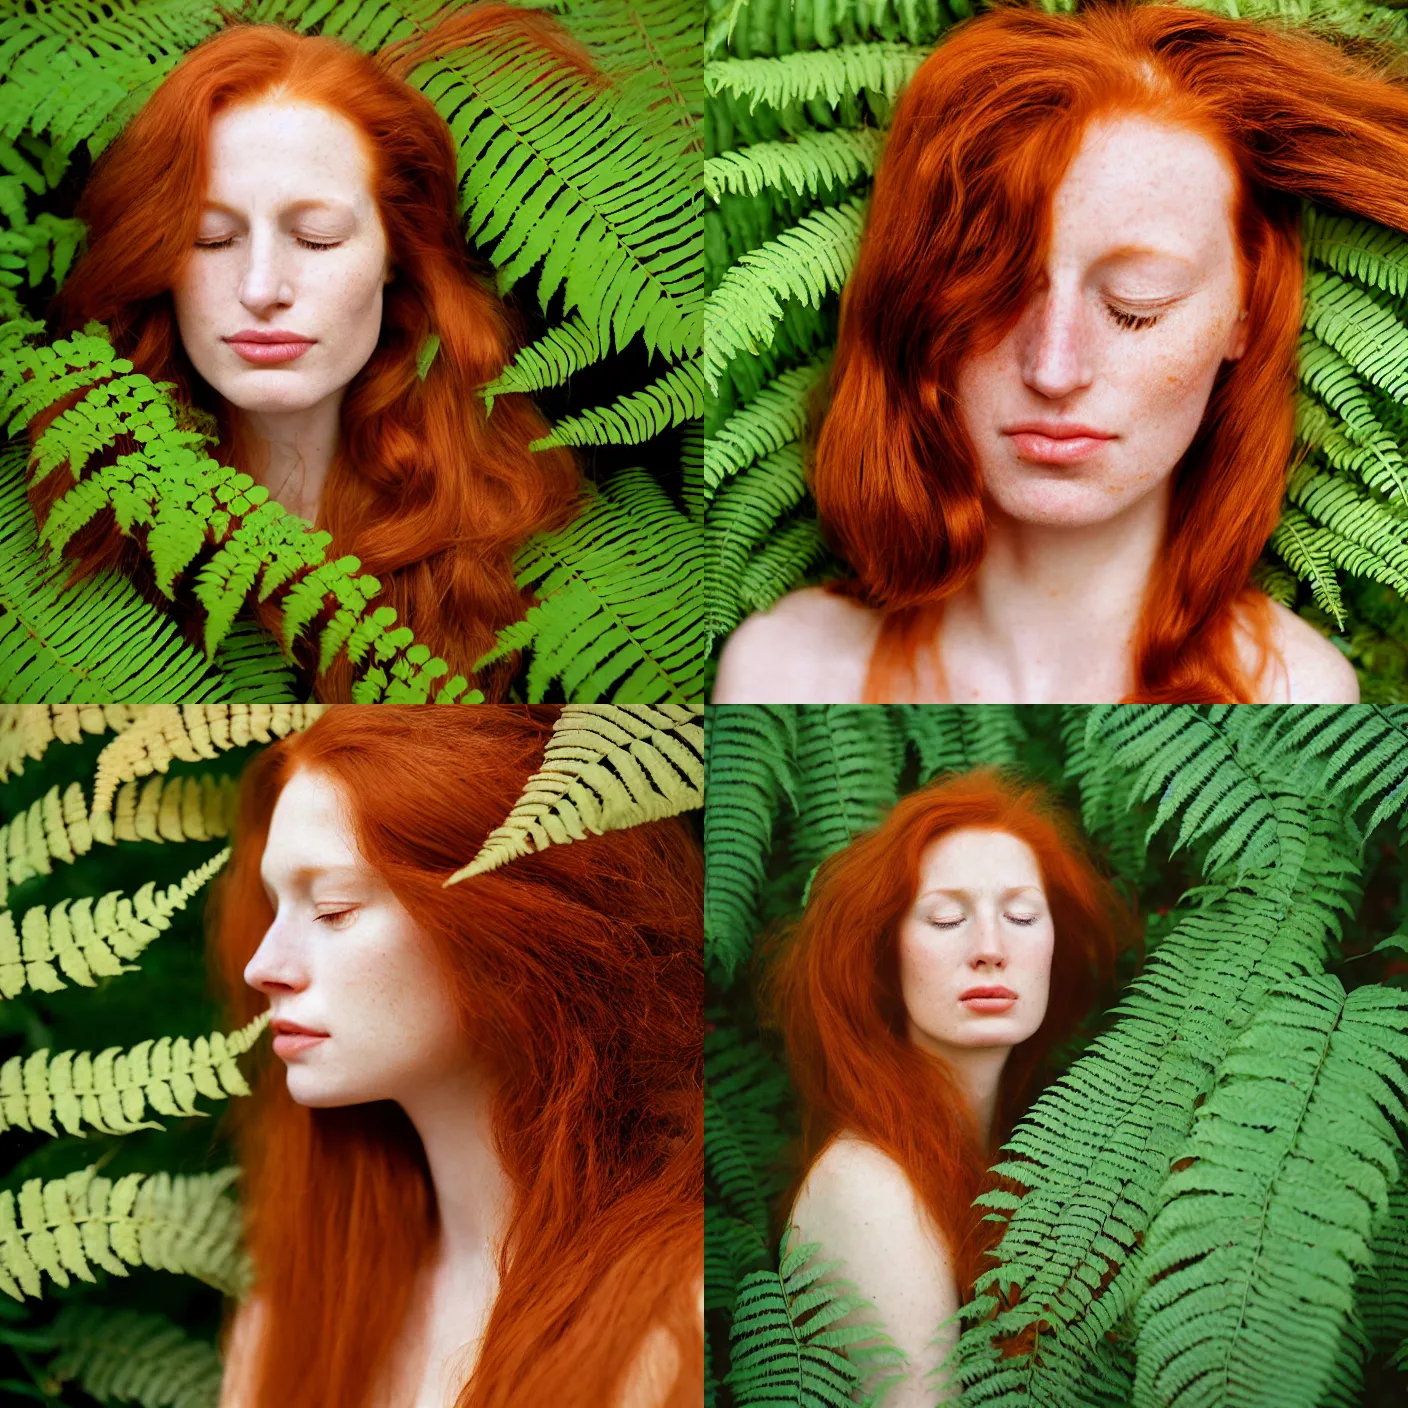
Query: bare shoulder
[810, 647]
[237, 1386]
[651, 1376]
[1311, 669]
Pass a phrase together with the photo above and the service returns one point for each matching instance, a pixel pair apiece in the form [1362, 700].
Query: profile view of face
[290, 246]
[344, 959]
[979, 920]
[1088, 403]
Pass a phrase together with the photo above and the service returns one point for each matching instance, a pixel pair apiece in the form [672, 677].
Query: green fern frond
[129, 1356]
[781, 564]
[557, 355]
[829, 74]
[606, 766]
[1305, 549]
[676, 396]
[807, 262]
[1251, 1258]
[1335, 382]
[810, 164]
[1353, 515]
[789, 1345]
[951, 738]
[67, 1226]
[1368, 335]
[618, 589]
[1369, 254]
[1379, 463]
[90, 939]
[552, 191]
[748, 771]
[775, 417]
[111, 1090]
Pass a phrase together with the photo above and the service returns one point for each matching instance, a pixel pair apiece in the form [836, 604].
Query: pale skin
[1139, 309]
[290, 240]
[980, 917]
[344, 957]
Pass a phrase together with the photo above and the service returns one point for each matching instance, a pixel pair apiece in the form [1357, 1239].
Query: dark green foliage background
[789, 784]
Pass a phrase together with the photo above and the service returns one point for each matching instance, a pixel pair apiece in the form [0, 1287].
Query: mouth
[265, 348]
[290, 1038]
[1049, 442]
[991, 1000]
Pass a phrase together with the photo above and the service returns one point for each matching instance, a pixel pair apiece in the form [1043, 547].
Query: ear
[1239, 337]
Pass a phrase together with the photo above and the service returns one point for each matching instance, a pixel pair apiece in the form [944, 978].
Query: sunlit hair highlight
[833, 989]
[579, 972]
[429, 492]
[955, 246]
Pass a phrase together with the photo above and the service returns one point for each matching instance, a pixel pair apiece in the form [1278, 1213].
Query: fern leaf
[810, 164]
[27, 730]
[52, 828]
[90, 939]
[135, 1357]
[606, 766]
[829, 74]
[67, 1226]
[1364, 332]
[808, 262]
[775, 417]
[1252, 1256]
[110, 1091]
[956, 738]
[1304, 548]
[676, 396]
[1367, 253]
[561, 351]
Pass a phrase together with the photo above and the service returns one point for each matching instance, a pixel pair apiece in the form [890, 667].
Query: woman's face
[980, 919]
[344, 958]
[1141, 304]
[290, 242]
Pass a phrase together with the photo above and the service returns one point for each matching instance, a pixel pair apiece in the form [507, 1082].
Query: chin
[318, 1094]
[1056, 499]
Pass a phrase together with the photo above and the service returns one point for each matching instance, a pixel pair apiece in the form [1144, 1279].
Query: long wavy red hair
[833, 989]
[956, 242]
[428, 491]
[580, 971]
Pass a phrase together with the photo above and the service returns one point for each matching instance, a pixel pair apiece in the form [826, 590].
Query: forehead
[282, 151]
[1135, 181]
[971, 856]
[311, 825]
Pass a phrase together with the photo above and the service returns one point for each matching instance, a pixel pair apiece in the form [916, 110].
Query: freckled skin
[1133, 183]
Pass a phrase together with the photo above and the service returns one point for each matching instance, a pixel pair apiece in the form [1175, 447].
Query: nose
[277, 965]
[1055, 349]
[267, 280]
[989, 946]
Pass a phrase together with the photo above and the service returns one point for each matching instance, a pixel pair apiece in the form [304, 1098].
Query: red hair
[958, 230]
[580, 970]
[427, 490]
[834, 991]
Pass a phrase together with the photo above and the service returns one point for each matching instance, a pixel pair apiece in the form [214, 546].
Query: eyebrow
[968, 894]
[1143, 251]
[308, 203]
[301, 872]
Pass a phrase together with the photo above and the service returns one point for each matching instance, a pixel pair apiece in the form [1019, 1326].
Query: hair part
[962, 211]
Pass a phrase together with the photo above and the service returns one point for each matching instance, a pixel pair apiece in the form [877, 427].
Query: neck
[1051, 615]
[978, 1071]
[290, 452]
[472, 1193]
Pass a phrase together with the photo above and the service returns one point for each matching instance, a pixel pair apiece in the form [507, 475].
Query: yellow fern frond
[53, 828]
[188, 733]
[190, 808]
[110, 1091]
[66, 1226]
[89, 939]
[26, 730]
[607, 766]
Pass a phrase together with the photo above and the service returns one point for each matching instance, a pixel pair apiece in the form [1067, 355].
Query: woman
[1061, 404]
[941, 958]
[473, 1176]
[277, 233]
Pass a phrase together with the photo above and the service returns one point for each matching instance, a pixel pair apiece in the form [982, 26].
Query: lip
[991, 1000]
[1055, 442]
[291, 1038]
[266, 346]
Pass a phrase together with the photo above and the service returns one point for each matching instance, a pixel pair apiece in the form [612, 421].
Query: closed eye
[1022, 919]
[307, 244]
[1133, 321]
[331, 919]
[947, 923]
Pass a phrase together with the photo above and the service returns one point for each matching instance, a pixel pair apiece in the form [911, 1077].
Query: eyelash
[307, 244]
[1135, 322]
[954, 923]
[337, 914]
